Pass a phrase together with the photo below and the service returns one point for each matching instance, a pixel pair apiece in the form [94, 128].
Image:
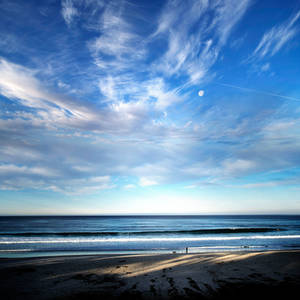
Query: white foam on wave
[135, 239]
[16, 250]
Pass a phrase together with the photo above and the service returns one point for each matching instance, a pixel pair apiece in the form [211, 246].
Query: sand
[234, 275]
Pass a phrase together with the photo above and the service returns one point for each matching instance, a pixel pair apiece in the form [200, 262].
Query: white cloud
[24, 170]
[291, 181]
[259, 185]
[265, 67]
[281, 125]
[229, 14]
[238, 166]
[69, 12]
[275, 38]
[187, 124]
[129, 186]
[157, 89]
[108, 88]
[144, 181]
[18, 82]
[100, 179]
[117, 39]
[87, 185]
[9, 43]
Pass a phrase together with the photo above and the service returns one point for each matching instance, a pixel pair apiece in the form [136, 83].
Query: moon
[200, 93]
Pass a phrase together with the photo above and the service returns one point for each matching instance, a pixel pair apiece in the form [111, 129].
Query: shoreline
[18, 254]
[151, 276]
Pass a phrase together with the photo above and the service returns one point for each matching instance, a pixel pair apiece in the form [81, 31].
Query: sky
[149, 107]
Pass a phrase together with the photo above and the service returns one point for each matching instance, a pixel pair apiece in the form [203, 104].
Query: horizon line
[152, 215]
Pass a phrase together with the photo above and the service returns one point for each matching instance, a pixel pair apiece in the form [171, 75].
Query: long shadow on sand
[246, 275]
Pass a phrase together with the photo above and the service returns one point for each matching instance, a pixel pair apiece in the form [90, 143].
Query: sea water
[65, 235]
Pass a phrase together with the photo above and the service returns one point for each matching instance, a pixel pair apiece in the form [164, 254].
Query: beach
[214, 275]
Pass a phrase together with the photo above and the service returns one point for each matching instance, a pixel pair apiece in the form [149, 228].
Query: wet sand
[234, 275]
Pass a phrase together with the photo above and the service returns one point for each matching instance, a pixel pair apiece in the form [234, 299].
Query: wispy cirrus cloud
[127, 79]
[117, 37]
[194, 44]
[21, 83]
[68, 11]
[52, 108]
[276, 37]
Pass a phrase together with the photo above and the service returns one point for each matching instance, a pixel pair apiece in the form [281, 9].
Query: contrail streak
[259, 92]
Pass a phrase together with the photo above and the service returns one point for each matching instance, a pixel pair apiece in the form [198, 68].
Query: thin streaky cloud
[275, 38]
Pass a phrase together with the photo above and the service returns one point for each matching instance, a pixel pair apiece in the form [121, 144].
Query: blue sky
[116, 107]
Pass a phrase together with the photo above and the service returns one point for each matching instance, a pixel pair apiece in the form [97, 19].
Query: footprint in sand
[153, 289]
[193, 284]
[134, 286]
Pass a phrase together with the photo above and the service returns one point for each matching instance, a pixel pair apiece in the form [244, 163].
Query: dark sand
[234, 275]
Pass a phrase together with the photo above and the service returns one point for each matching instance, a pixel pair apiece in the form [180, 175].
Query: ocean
[69, 235]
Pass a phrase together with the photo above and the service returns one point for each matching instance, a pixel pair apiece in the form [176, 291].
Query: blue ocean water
[64, 235]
